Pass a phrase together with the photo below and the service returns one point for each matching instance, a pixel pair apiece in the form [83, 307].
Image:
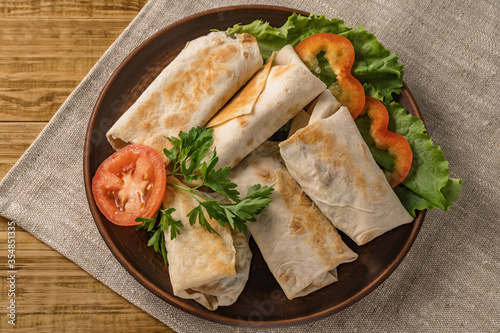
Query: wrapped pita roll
[209, 268]
[334, 167]
[322, 107]
[189, 91]
[288, 56]
[299, 121]
[268, 101]
[299, 244]
[325, 105]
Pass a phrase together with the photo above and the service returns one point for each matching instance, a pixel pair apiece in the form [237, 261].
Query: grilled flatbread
[209, 268]
[189, 91]
[334, 167]
[299, 244]
[266, 103]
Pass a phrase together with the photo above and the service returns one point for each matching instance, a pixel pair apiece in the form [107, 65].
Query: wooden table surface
[46, 49]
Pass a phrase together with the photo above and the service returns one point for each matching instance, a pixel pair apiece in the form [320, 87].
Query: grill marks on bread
[189, 87]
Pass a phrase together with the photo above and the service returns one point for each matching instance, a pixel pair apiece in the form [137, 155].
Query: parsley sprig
[188, 160]
[157, 240]
[187, 155]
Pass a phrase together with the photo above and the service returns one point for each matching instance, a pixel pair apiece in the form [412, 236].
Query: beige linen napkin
[450, 280]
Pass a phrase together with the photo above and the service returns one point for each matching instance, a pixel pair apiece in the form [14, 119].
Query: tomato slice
[130, 183]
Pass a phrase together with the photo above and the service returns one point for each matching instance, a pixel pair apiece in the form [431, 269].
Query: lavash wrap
[299, 244]
[322, 107]
[209, 268]
[189, 91]
[273, 96]
[334, 167]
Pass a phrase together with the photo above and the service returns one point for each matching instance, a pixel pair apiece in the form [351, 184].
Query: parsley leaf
[157, 240]
[197, 214]
[188, 151]
[168, 220]
[218, 181]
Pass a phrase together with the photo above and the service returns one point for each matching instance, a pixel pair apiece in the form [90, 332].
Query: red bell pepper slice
[395, 144]
[339, 53]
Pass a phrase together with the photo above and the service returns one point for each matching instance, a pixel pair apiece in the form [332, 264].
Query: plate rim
[174, 300]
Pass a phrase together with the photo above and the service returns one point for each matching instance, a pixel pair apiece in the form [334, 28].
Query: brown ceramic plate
[262, 303]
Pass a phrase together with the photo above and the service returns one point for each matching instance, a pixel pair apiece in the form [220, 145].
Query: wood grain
[42, 9]
[47, 47]
[41, 62]
[15, 138]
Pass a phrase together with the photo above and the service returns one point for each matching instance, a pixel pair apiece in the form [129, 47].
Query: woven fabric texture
[449, 281]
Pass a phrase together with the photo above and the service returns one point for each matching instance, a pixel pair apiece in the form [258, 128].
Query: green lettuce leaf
[269, 38]
[412, 201]
[375, 66]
